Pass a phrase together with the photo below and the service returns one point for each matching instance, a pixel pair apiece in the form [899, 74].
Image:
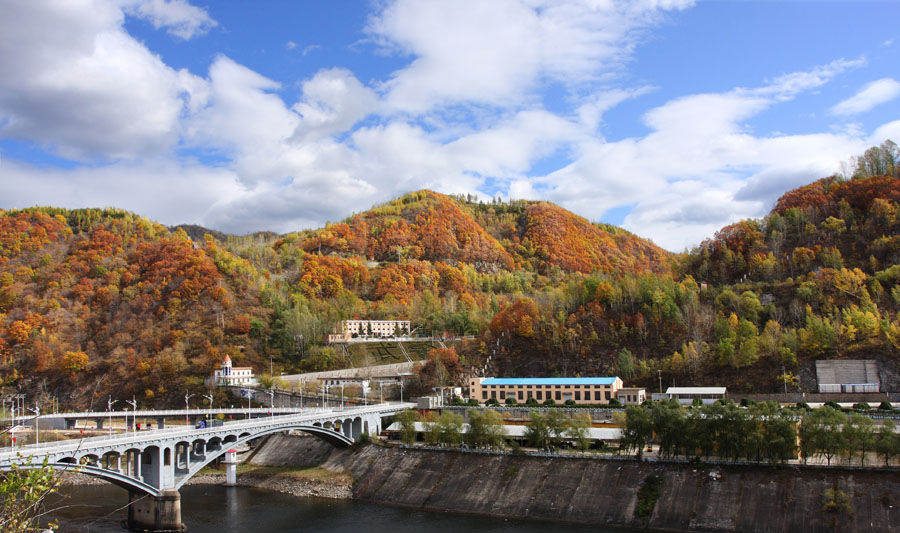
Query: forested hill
[97, 302]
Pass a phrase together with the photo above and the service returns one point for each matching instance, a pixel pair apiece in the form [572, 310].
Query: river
[218, 509]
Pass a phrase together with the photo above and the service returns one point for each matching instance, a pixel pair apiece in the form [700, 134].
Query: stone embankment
[620, 494]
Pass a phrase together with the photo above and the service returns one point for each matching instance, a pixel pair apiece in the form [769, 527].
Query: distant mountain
[104, 302]
[429, 226]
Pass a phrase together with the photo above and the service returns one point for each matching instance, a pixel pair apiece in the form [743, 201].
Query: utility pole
[659, 372]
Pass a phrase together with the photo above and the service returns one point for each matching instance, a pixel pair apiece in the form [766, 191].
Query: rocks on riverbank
[310, 482]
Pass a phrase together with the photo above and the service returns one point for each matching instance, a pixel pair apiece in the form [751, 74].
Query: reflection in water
[218, 509]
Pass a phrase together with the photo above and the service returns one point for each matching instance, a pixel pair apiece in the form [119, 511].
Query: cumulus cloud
[494, 53]
[873, 94]
[177, 16]
[76, 82]
[700, 167]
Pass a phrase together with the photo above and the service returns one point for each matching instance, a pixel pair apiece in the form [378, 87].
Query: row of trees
[760, 432]
[484, 429]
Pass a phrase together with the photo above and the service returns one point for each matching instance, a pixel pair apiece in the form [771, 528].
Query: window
[607, 395]
[493, 395]
[503, 395]
[598, 395]
[520, 395]
[484, 395]
[540, 395]
[577, 395]
[558, 395]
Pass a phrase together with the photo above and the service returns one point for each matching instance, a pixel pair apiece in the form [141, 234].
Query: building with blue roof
[590, 390]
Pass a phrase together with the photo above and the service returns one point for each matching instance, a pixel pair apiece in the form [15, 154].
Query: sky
[670, 118]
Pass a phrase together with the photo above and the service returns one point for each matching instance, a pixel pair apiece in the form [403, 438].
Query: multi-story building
[233, 375]
[580, 390]
[381, 329]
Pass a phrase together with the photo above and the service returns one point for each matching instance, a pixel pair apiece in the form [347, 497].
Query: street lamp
[133, 403]
[109, 404]
[37, 419]
[210, 398]
[187, 407]
[342, 396]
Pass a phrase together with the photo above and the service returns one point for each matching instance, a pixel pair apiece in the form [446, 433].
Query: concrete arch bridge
[157, 463]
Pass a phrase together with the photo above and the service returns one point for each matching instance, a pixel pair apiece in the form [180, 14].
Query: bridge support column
[155, 514]
[160, 423]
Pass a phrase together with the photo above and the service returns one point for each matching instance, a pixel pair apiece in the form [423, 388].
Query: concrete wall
[605, 493]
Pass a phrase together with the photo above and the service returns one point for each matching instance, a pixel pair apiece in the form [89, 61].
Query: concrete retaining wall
[606, 493]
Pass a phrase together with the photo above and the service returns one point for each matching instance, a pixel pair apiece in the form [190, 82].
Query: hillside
[96, 303]
[99, 302]
[104, 302]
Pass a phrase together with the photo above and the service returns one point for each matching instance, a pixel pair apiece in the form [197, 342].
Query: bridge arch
[333, 437]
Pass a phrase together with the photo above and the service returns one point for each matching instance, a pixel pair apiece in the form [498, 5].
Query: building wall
[581, 394]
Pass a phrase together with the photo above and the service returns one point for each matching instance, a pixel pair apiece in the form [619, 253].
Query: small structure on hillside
[836, 376]
[378, 329]
[227, 374]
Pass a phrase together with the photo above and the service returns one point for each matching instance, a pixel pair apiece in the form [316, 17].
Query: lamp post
[109, 404]
[37, 419]
[342, 396]
[133, 403]
[187, 407]
[210, 398]
[272, 402]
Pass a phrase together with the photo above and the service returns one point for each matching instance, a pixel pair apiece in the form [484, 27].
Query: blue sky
[668, 117]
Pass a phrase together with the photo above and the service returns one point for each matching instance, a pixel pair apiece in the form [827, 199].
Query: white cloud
[74, 81]
[177, 16]
[873, 94]
[495, 53]
[700, 167]
[162, 190]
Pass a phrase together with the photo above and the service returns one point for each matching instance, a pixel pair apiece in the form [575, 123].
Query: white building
[237, 375]
[687, 395]
[381, 329]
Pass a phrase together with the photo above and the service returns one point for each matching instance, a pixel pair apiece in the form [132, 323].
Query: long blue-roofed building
[591, 390]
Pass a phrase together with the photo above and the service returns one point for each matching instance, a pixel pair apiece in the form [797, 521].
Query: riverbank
[630, 494]
[580, 490]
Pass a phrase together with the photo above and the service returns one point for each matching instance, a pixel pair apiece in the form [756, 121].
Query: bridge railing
[191, 433]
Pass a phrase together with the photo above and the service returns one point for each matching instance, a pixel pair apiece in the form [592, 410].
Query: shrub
[861, 406]
[531, 402]
[492, 402]
[549, 402]
[885, 406]
[834, 405]
[803, 405]
[648, 494]
[570, 403]
[614, 403]
[472, 402]
[511, 400]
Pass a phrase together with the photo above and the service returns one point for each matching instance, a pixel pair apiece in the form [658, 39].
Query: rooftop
[549, 381]
[695, 390]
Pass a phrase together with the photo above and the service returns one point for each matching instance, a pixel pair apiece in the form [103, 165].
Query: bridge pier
[160, 514]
